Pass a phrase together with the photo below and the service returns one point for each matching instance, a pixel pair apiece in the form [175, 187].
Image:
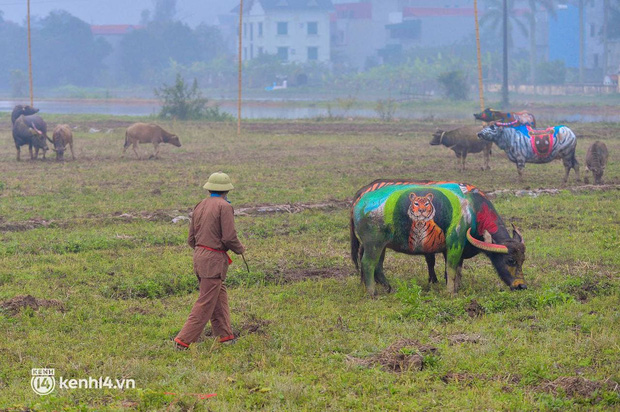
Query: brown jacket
[213, 225]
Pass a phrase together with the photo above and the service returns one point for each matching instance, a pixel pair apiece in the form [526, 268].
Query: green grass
[126, 283]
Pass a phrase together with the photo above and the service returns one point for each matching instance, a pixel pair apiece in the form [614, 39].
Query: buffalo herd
[30, 129]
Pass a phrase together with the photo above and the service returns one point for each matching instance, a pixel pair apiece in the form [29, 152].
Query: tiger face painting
[425, 235]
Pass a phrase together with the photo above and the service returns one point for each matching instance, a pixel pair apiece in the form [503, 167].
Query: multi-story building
[294, 30]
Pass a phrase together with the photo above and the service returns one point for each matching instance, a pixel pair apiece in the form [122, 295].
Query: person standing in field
[211, 234]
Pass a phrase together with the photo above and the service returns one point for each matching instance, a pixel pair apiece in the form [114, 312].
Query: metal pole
[480, 89]
[240, 68]
[505, 80]
[30, 59]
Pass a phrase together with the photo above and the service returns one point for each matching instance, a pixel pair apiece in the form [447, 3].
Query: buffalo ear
[487, 237]
[412, 196]
[516, 234]
[429, 197]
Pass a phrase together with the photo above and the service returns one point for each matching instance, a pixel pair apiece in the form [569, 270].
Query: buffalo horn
[489, 247]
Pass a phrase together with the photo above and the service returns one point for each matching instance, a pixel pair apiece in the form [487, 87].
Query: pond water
[282, 110]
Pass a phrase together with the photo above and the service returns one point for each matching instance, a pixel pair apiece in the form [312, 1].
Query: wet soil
[401, 356]
[14, 305]
[266, 209]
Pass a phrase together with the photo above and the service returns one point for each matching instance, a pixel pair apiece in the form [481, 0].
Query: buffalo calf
[148, 133]
[596, 160]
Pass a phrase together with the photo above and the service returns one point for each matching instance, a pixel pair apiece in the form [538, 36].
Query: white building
[294, 30]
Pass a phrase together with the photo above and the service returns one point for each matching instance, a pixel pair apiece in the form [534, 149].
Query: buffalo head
[437, 137]
[487, 115]
[490, 133]
[174, 140]
[22, 109]
[507, 256]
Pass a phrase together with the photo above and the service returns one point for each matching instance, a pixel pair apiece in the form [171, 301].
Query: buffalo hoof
[519, 287]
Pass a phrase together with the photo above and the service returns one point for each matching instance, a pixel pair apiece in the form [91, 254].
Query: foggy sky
[191, 12]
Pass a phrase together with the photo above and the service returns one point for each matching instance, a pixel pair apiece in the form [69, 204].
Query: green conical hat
[219, 182]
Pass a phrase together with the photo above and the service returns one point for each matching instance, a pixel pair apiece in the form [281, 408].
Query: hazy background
[191, 12]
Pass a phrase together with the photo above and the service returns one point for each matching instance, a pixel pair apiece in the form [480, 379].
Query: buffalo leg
[430, 263]
[18, 153]
[370, 259]
[135, 150]
[30, 150]
[453, 261]
[463, 157]
[380, 274]
[156, 150]
[520, 167]
[487, 157]
[72, 155]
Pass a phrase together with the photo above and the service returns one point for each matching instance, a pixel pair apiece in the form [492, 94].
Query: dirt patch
[401, 356]
[551, 190]
[576, 386]
[351, 126]
[474, 309]
[469, 378]
[460, 338]
[249, 326]
[291, 208]
[14, 305]
[297, 275]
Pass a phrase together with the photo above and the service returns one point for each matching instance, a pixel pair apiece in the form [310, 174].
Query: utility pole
[582, 42]
[30, 60]
[240, 68]
[480, 89]
[505, 102]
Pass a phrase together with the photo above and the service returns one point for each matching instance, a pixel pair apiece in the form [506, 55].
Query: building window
[592, 30]
[251, 31]
[251, 51]
[282, 28]
[313, 28]
[260, 51]
[245, 30]
[283, 53]
[245, 53]
[313, 53]
[260, 29]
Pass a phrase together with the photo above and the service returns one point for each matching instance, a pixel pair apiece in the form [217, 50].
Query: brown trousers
[212, 304]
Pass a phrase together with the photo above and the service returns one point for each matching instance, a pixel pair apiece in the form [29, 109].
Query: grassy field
[109, 274]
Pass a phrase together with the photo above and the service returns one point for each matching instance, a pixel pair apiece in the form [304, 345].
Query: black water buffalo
[462, 141]
[29, 129]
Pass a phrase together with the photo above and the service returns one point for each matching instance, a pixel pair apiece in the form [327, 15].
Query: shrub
[182, 102]
[454, 84]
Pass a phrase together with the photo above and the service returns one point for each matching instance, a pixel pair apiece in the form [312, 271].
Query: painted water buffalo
[61, 137]
[424, 218]
[148, 133]
[596, 160]
[526, 145]
[462, 141]
[507, 118]
[28, 129]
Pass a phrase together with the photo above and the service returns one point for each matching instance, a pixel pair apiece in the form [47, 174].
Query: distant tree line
[64, 51]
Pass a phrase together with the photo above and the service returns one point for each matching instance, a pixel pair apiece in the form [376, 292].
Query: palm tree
[493, 15]
[535, 5]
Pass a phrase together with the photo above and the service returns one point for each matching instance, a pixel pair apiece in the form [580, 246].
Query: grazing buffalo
[596, 160]
[537, 146]
[61, 137]
[507, 119]
[148, 133]
[462, 141]
[424, 218]
[28, 129]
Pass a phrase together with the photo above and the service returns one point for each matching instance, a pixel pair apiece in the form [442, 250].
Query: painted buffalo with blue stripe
[424, 218]
[526, 145]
